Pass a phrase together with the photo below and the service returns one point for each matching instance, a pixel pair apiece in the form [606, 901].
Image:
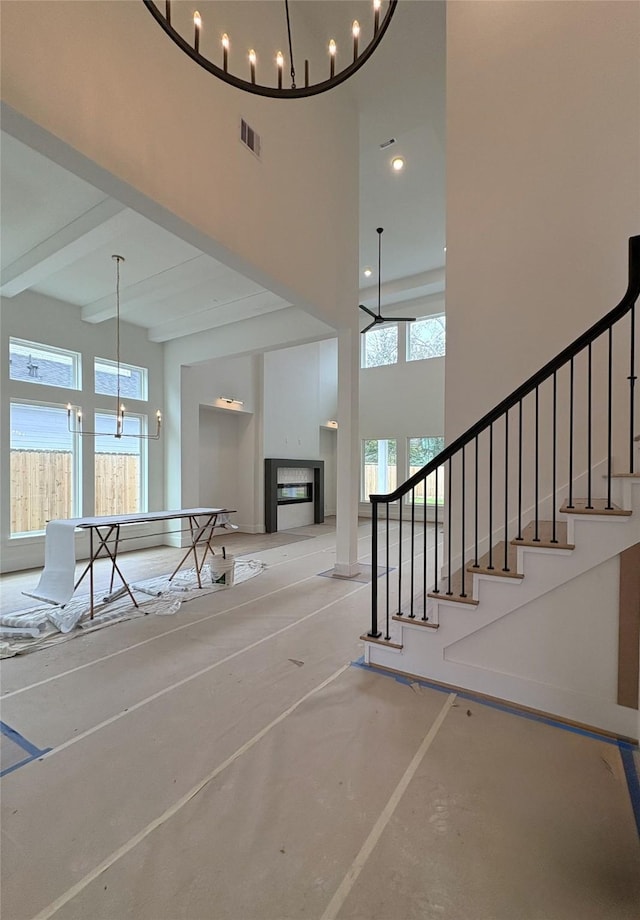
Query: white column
[348, 458]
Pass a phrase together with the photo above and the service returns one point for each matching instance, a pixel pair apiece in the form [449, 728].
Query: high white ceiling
[58, 231]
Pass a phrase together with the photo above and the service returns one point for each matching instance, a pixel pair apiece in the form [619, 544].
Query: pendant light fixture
[74, 413]
[330, 74]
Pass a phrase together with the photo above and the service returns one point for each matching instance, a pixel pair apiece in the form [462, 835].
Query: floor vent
[249, 137]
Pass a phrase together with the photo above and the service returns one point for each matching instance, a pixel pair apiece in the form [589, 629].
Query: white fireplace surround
[287, 474]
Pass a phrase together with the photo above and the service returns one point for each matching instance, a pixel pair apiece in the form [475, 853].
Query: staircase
[513, 591]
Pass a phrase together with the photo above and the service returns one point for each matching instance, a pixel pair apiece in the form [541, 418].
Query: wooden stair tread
[498, 563]
[456, 588]
[380, 641]
[415, 621]
[599, 506]
[623, 476]
[454, 598]
[545, 535]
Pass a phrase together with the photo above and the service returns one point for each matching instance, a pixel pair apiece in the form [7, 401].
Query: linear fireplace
[289, 493]
[292, 482]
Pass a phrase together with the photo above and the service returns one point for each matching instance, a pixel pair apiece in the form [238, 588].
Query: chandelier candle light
[120, 410]
[161, 12]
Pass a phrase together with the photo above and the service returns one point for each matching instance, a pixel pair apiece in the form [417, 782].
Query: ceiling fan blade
[382, 320]
[366, 309]
[370, 326]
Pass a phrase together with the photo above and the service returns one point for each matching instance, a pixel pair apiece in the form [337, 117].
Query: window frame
[30, 346]
[109, 363]
[76, 467]
[432, 316]
[364, 495]
[377, 330]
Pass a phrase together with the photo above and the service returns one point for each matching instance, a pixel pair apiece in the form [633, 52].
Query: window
[420, 452]
[119, 463]
[133, 380]
[379, 467]
[426, 338]
[43, 467]
[380, 346]
[43, 364]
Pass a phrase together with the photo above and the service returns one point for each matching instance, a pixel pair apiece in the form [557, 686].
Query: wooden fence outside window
[42, 487]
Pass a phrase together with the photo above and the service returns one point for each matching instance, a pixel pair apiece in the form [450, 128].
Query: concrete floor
[231, 763]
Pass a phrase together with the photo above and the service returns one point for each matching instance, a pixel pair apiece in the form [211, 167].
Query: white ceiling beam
[428, 305]
[191, 282]
[430, 282]
[174, 281]
[219, 315]
[83, 235]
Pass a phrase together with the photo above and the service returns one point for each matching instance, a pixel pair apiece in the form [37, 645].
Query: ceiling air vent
[249, 137]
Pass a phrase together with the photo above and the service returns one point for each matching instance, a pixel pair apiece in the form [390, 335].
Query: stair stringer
[424, 652]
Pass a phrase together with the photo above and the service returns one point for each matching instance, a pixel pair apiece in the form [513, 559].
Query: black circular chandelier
[161, 12]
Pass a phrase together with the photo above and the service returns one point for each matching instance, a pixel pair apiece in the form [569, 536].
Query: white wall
[287, 394]
[218, 453]
[543, 185]
[221, 446]
[210, 351]
[105, 79]
[328, 454]
[41, 319]
[299, 396]
[566, 640]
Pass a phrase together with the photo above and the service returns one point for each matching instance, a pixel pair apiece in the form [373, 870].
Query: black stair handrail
[545, 373]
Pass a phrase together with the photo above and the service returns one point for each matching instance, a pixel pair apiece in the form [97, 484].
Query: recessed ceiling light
[397, 163]
[445, 248]
[367, 273]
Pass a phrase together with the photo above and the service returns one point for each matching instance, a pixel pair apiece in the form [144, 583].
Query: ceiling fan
[378, 319]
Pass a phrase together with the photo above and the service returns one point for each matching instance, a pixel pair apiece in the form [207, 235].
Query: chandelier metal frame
[278, 91]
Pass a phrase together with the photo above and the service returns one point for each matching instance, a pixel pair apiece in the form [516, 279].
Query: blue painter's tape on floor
[493, 704]
[626, 749]
[633, 780]
[17, 743]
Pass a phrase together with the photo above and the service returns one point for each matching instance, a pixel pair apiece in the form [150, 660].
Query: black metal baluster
[463, 593]
[589, 505]
[374, 632]
[506, 492]
[554, 456]
[609, 414]
[449, 592]
[490, 566]
[413, 549]
[519, 537]
[388, 599]
[424, 549]
[475, 563]
[536, 538]
[400, 558]
[435, 545]
[632, 382]
[571, 374]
